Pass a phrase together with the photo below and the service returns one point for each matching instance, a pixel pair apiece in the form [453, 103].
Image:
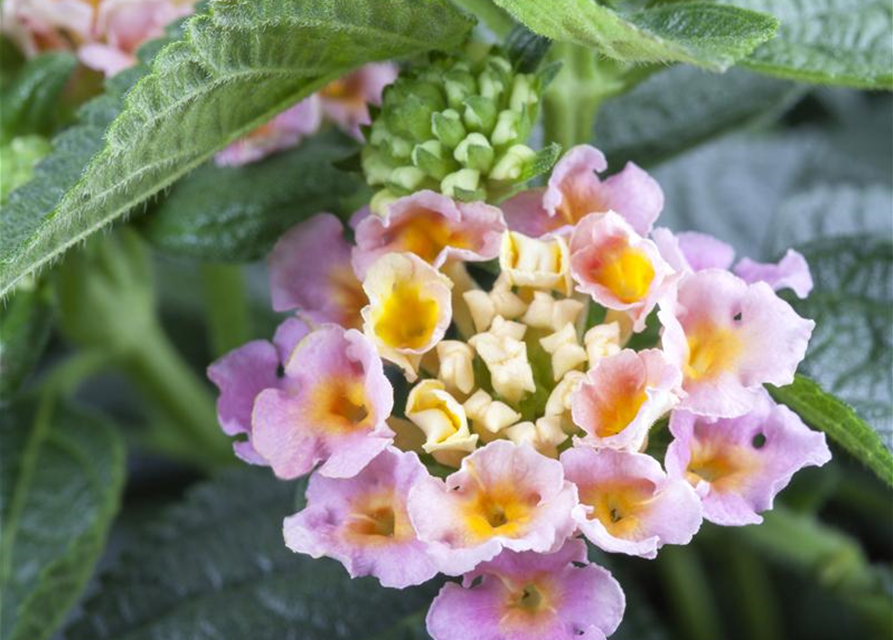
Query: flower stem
[495, 18]
[687, 588]
[160, 372]
[761, 615]
[226, 303]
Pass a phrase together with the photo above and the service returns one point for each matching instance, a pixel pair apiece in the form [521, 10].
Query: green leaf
[25, 322]
[851, 350]
[235, 68]
[833, 416]
[31, 101]
[711, 36]
[62, 472]
[236, 214]
[216, 567]
[17, 162]
[843, 42]
[683, 107]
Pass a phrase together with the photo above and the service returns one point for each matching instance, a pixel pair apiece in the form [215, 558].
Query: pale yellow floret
[463, 283]
[545, 435]
[601, 341]
[409, 306]
[539, 264]
[456, 369]
[566, 352]
[491, 416]
[559, 402]
[442, 418]
[545, 312]
[506, 302]
[505, 354]
[481, 308]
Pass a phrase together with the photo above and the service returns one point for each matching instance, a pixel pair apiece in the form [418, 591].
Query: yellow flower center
[426, 235]
[626, 272]
[724, 467]
[622, 411]
[619, 504]
[377, 519]
[341, 404]
[499, 511]
[712, 351]
[407, 318]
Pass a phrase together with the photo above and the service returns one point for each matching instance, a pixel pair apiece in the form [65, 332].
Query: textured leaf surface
[61, 479]
[682, 107]
[236, 67]
[840, 422]
[216, 567]
[708, 35]
[25, 323]
[224, 213]
[845, 42]
[31, 101]
[851, 351]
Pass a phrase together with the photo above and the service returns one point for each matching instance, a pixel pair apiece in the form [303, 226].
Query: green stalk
[756, 594]
[165, 378]
[226, 303]
[498, 21]
[687, 588]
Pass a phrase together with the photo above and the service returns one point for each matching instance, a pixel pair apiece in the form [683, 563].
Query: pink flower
[105, 33]
[310, 271]
[627, 502]
[530, 596]
[730, 338]
[346, 101]
[617, 267]
[433, 227]
[282, 132]
[575, 191]
[692, 251]
[739, 465]
[334, 411]
[623, 395]
[243, 373]
[362, 522]
[504, 496]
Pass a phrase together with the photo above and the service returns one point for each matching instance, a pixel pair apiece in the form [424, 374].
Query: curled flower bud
[489, 416]
[545, 435]
[505, 354]
[456, 365]
[545, 312]
[565, 350]
[443, 420]
[601, 341]
[539, 264]
[409, 308]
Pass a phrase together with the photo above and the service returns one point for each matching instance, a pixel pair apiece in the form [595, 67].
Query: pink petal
[791, 272]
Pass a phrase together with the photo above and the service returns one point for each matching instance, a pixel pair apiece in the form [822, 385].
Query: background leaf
[829, 414]
[682, 107]
[851, 350]
[25, 322]
[32, 99]
[237, 214]
[62, 472]
[216, 567]
[236, 67]
[844, 42]
[707, 35]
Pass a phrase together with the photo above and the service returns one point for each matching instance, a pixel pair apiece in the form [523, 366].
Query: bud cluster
[457, 126]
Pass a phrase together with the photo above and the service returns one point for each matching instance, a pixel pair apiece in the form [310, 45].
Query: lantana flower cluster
[521, 425]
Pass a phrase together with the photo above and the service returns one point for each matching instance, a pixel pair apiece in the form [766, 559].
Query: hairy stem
[226, 304]
[687, 588]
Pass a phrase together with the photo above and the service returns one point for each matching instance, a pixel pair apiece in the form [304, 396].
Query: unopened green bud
[464, 180]
[375, 166]
[507, 127]
[512, 163]
[431, 158]
[475, 152]
[523, 94]
[412, 119]
[380, 201]
[447, 127]
[458, 85]
[480, 114]
[406, 179]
